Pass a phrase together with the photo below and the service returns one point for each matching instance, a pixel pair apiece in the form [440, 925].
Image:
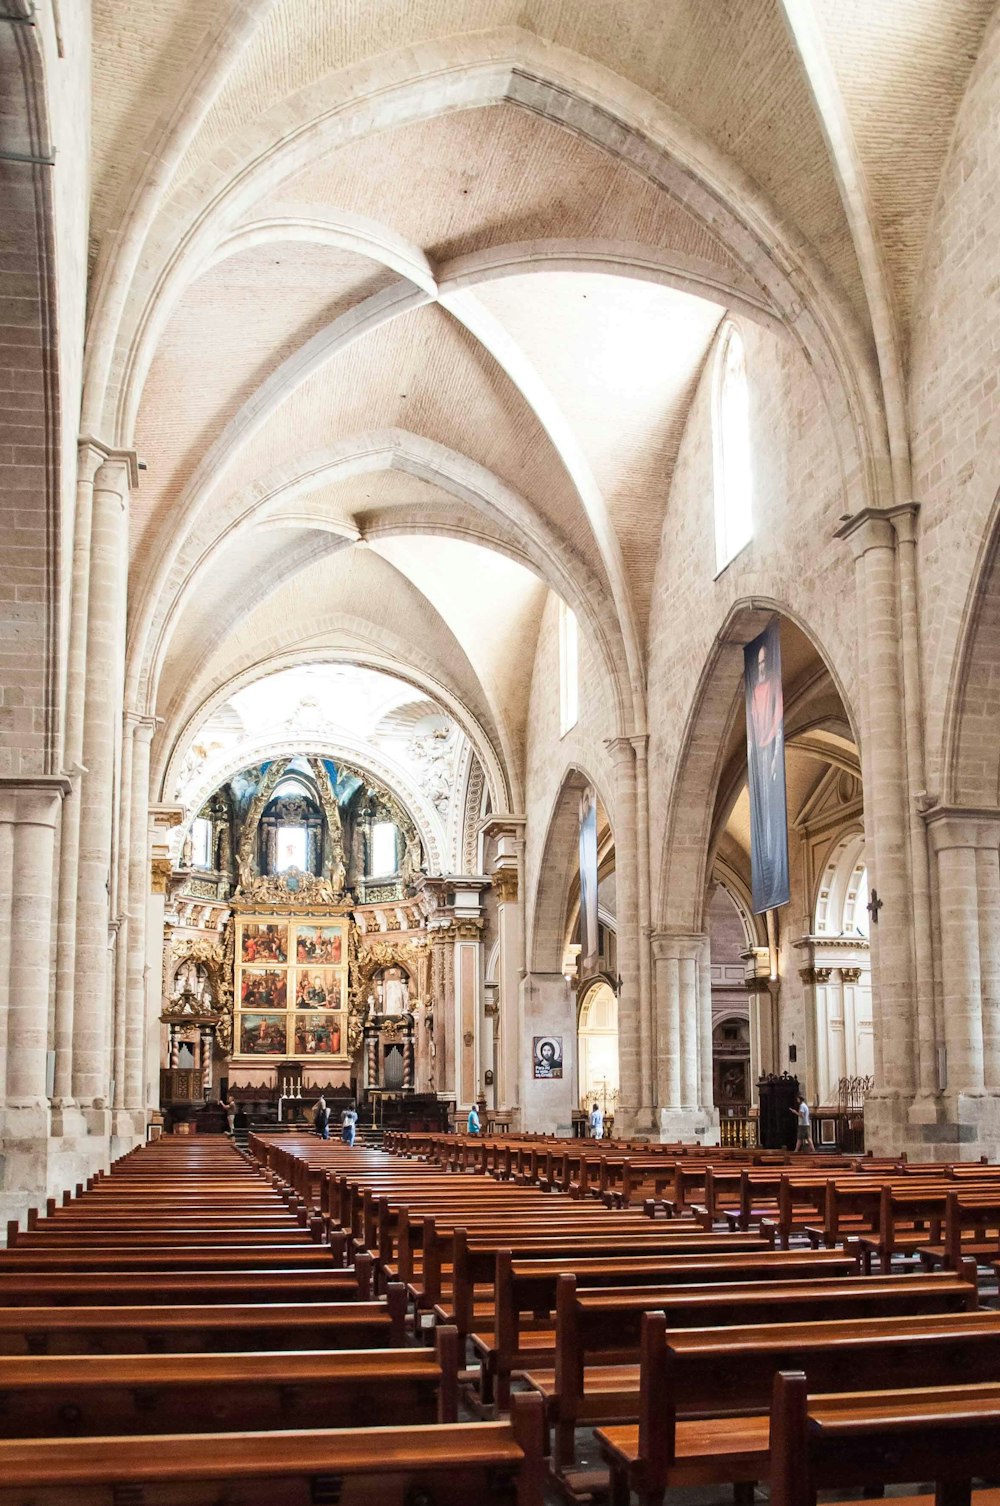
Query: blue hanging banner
[766, 769]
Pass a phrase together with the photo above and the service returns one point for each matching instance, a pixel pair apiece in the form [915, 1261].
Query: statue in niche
[191, 984]
[393, 991]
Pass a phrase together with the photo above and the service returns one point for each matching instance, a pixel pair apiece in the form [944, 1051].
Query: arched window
[569, 669]
[201, 842]
[733, 462]
[382, 860]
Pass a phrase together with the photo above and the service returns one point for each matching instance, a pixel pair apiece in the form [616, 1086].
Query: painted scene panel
[263, 1034]
[263, 989]
[318, 1034]
[264, 943]
[319, 944]
[317, 988]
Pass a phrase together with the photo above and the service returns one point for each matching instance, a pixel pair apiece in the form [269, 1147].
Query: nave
[519, 1317]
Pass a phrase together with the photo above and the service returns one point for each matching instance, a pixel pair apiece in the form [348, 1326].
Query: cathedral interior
[410, 413]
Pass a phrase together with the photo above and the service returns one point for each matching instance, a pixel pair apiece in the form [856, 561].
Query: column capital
[962, 826]
[875, 527]
[94, 452]
[142, 727]
[501, 824]
[32, 799]
[668, 944]
[622, 750]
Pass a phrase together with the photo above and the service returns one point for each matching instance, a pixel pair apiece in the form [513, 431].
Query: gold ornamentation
[159, 877]
[505, 885]
[276, 889]
[248, 838]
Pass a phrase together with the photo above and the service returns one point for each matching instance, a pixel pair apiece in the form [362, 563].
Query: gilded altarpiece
[292, 947]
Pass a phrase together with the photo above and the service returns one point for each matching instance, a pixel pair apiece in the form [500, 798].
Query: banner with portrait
[765, 710]
[589, 944]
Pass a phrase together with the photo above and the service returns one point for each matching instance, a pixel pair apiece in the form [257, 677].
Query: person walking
[321, 1119]
[349, 1124]
[803, 1138]
[472, 1124]
[596, 1122]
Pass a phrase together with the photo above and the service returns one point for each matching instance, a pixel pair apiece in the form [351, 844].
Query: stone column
[647, 1032]
[548, 1008]
[706, 1091]
[121, 848]
[872, 538]
[29, 811]
[634, 1046]
[966, 847]
[90, 456]
[683, 975]
[103, 702]
[508, 833]
[143, 728]
[155, 885]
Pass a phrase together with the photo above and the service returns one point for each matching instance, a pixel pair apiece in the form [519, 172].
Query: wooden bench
[947, 1435]
[703, 1395]
[494, 1464]
[602, 1327]
[48, 1396]
[530, 1286]
[30, 1288]
[207, 1328]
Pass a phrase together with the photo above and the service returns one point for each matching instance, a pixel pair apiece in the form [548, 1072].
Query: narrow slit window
[569, 669]
[733, 461]
[201, 842]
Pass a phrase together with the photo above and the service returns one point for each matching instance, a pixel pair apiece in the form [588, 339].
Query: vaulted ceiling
[403, 305]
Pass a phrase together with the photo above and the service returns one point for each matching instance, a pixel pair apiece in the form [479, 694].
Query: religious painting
[547, 1056]
[765, 711]
[263, 1034]
[319, 944]
[265, 943]
[263, 989]
[318, 1034]
[589, 945]
[317, 988]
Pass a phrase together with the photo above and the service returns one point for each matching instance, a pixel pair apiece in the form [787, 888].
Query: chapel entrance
[597, 1048]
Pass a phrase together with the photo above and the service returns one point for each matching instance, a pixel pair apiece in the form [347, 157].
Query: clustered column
[872, 539]
[634, 1042]
[684, 1037]
[966, 845]
[102, 724]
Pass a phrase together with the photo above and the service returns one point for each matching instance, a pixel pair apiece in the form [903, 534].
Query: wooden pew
[208, 1328]
[49, 1396]
[103, 1288]
[530, 1286]
[495, 1464]
[599, 1330]
[948, 1435]
[725, 1378]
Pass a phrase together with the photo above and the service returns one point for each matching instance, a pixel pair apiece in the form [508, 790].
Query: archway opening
[597, 1048]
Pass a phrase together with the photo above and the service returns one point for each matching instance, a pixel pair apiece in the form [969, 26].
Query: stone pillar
[469, 1016]
[138, 901]
[644, 937]
[121, 848]
[29, 811]
[966, 848]
[89, 459]
[548, 1008]
[156, 883]
[634, 1046]
[103, 705]
[684, 1037]
[706, 1092]
[508, 833]
[883, 752]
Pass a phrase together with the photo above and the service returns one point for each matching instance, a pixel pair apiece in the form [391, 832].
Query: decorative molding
[505, 885]
[159, 875]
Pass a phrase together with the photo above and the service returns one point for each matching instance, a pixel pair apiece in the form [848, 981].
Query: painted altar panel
[291, 990]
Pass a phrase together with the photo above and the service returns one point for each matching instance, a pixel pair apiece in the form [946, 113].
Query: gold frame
[291, 968]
